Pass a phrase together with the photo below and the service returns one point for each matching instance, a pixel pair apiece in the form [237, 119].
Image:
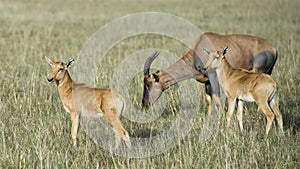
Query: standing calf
[248, 52]
[79, 99]
[242, 85]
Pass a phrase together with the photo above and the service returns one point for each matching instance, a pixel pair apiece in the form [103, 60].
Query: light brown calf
[248, 52]
[242, 85]
[81, 100]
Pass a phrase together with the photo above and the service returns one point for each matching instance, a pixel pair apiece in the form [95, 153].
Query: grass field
[35, 129]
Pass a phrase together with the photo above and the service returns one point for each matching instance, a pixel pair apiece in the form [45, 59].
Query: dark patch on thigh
[264, 62]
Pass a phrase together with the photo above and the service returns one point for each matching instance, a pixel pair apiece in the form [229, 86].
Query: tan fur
[243, 85]
[243, 48]
[81, 100]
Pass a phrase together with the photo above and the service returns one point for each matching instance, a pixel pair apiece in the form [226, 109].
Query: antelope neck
[179, 71]
[65, 84]
[223, 71]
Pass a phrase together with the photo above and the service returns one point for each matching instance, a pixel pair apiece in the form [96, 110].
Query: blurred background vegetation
[35, 129]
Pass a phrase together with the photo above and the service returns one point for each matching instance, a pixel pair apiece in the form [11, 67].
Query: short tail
[273, 95]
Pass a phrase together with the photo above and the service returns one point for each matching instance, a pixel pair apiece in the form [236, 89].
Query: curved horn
[148, 63]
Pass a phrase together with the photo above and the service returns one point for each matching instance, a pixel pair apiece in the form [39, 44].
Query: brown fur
[80, 100]
[242, 85]
[243, 48]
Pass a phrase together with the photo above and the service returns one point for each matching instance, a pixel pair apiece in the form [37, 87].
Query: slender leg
[239, 114]
[269, 114]
[75, 124]
[275, 108]
[111, 115]
[213, 88]
[231, 105]
[208, 102]
[208, 97]
[218, 102]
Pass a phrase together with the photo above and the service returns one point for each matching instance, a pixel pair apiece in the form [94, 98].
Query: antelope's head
[152, 86]
[59, 69]
[215, 58]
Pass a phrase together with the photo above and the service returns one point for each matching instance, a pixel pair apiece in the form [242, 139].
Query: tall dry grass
[35, 129]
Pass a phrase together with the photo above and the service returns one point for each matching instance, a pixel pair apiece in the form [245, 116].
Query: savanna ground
[35, 129]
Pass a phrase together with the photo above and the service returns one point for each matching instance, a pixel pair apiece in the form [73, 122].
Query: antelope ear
[206, 51]
[49, 61]
[70, 63]
[225, 50]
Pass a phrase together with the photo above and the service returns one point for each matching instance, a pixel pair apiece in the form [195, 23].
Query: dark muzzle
[50, 80]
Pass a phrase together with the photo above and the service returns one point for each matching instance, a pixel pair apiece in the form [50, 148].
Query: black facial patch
[156, 77]
[145, 99]
[50, 80]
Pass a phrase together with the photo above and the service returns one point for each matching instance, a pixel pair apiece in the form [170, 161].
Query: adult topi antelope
[80, 100]
[248, 52]
[242, 85]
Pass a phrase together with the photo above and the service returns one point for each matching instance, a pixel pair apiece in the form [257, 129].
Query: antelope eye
[59, 70]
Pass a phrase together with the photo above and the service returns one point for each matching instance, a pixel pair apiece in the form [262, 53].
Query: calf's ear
[49, 61]
[225, 50]
[70, 63]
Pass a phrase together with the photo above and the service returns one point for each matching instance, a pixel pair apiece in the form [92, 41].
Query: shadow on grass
[291, 105]
[291, 121]
[144, 133]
